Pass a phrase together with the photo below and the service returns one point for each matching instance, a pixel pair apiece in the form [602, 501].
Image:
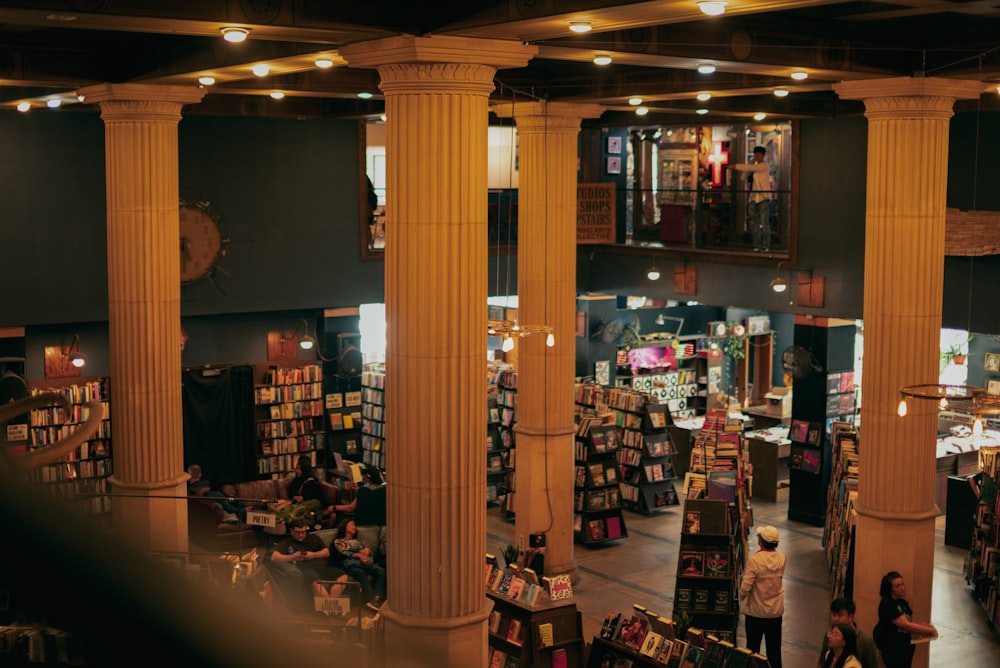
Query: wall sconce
[653, 273]
[779, 284]
[76, 358]
[306, 342]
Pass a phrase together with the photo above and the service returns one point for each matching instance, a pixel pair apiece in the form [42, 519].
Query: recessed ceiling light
[53, 103]
[365, 95]
[23, 106]
[799, 75]
[703, 97]
[324, 63]
[635, 101]
[641, 111]
[706, 68]
[80, 97]
[235, 35]
[602, 59]
[712, 8]
[277, 94]
[63, 18]
[261, 69]
[781, 92]
[759, 116]
[206, 81]
[702, 111]
[581, 26]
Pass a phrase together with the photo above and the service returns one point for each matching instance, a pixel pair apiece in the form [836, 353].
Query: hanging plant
[734, 347]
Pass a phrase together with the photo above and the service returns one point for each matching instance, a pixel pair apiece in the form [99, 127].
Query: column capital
[412, 50]
[542, 114]
[140, 101]
[909, 97]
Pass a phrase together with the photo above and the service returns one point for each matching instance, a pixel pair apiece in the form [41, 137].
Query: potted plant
[511, 553]
[682, 622]
[953, 355]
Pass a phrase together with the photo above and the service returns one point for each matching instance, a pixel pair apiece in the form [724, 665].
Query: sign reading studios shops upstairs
[595, 213]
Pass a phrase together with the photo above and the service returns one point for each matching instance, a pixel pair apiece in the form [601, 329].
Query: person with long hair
[356, 559]
[304, 493]
[843, 641]
[895, 623]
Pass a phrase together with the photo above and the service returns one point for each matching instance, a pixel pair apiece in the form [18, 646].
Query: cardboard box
[779, 401]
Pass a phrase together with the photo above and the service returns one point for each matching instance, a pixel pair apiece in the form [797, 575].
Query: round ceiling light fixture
[365, 95]
[641, 111]
[706, 68]
[759, 116]
[781, 92]
[799, 75]
[23, 106]
[703, 97]
[602, 59]
[234, 34]
[712, 8]
[635, 101]
[277, 94]
[581, 26]
[323, 63]
[261, 69]
[701, 112]
[206, 81]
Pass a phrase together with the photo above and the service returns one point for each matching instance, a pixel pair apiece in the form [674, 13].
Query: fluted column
[904, 273]
[436, 99]
[140, 123]
[546, 288]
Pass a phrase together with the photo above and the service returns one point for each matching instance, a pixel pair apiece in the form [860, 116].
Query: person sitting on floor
[356, 559]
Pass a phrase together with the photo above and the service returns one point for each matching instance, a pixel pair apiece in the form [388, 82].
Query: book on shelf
[497, 658]
[516, 588]
[677, 650]
[701, 598]
[559, 659]
[597, 473]
[531, 591]
[558, 586]
[692, 563]
[651, 643]
[545, 637]
[597, 529]
[609, 627]
[494, 622]
[739, 657]
[613, 527]
[633, 632]
[514, 632]
[692, 656]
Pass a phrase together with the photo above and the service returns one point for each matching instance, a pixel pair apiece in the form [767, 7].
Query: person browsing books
[763, 595]
[842, 652]
[895, 624]
[356, 559]
[842, 612]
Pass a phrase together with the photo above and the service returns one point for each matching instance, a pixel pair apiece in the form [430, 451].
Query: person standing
[842, 643]
[842, 612]
[763, 595]
[758, 197]
[895, 623]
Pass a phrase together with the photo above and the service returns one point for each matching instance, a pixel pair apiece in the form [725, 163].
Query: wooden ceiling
[50, 48]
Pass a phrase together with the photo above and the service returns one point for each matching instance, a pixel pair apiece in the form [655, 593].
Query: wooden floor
[641, 569]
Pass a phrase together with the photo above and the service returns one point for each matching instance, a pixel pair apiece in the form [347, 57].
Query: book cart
[532, 629]
[598, 501]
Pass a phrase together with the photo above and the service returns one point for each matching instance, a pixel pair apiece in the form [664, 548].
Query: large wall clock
[202, 243]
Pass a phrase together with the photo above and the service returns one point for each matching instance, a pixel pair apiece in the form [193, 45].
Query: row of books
[96, 390]
[842, 493]
[287, 428]
[704, 600]
[983, 564]
[297, 409]
[44, 417]
[599, 528]
[60, 471]
[653, 636]
[276, 394]
[500, 659]
[597, 499]
[344, 421]
[373, 376]
[655, 444]
[46, 435]
[713, 562]
[280, 375]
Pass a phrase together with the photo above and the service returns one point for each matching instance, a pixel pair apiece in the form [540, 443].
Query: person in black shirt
[892, 633]
[302, 558]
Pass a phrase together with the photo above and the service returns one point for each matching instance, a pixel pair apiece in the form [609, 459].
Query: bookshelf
[80, 477]
[678, 390]
[373, 415]
[290, 416]
[507, 410]
[495, 471]
[598, 502]
[342, 401]
[983, 565]
[710, 566]
[646, 462]
[524, 643]
[838, 532]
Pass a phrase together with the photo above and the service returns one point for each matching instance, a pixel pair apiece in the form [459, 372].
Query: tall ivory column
[908, 122]
[546, 288]
[436, 100]
[144, 317]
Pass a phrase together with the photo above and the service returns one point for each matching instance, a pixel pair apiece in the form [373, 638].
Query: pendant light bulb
[902, 408]
[550, 340]
[943, 403]
[653, 274]
[508, 344]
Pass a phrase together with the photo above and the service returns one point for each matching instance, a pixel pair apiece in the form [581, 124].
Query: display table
[769, 450]
[765, 417]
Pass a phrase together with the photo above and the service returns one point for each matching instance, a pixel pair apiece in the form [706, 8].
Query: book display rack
[290, 417]
[646, 461]
[343, 411]
[597, 506]
[546, 633]
[983, 566]
[838, 533]
[373, 415]
[644, 639]
[678, 389]
[81, 476]
[494, 450]
[710, 566]
[507, 409]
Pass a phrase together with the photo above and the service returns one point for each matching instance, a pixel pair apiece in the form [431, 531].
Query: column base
[455, 642]
[153, 516]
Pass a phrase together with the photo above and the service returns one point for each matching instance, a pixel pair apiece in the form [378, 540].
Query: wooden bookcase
[290, 415]
[373, 415]
[838, 533]
[710, 567]
[342, 400]
[646, 461]
[495, 471]
[567, 632]
[81, 476]
[507, 409]
[983, 566]
[598, 501]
